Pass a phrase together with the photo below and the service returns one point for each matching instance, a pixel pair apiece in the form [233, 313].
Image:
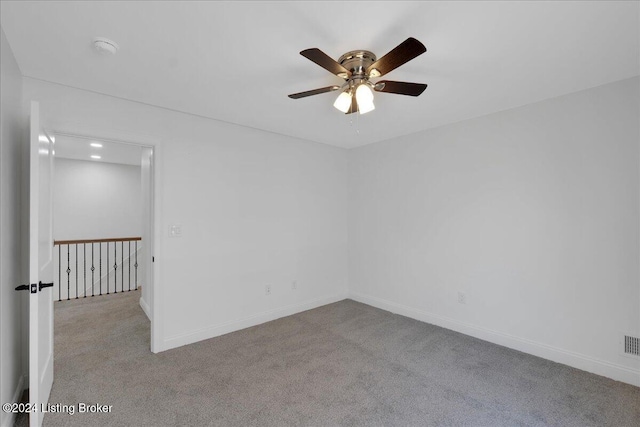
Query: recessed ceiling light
[94, 156]
[96, 144]
[103, 45]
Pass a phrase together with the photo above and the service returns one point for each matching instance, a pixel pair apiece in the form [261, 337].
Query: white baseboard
[145, 308]
[8, 419]
[257, 319]
[576, 360]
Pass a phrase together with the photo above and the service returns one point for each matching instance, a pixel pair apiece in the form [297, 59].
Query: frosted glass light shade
[366, 107]
[364, 96]
[343, 102]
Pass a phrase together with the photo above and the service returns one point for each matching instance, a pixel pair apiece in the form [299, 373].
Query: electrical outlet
[294, 285]
[462, 298]
[267, 290]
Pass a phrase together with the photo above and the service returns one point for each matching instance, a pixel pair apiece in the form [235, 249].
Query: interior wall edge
[145, 307]
[181, 112]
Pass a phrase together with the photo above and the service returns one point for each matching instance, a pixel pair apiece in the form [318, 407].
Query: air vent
[631, 345]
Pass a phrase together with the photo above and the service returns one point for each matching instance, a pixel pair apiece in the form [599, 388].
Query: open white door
[40, 267]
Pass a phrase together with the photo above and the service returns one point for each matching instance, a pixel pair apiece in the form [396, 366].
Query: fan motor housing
[357, 61]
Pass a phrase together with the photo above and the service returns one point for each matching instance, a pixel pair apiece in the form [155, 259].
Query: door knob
[33, 287]
[45, 285]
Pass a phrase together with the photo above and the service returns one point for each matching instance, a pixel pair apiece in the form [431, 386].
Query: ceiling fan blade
[326, 62]
[313, 92]
[401, 88]
[354, 105]
[403, 53]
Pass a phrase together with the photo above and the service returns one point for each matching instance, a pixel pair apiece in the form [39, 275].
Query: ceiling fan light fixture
[366, 107]
[343, 102]
[364, 96]
[357, 67]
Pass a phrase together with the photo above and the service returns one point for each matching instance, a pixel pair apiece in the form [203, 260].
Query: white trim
[257, 319]
[9, 418]
[155, 251]
[49, 361]
[145, 307]
[576, 360]
[153, 278]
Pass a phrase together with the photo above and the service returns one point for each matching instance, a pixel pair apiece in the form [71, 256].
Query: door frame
[155, 218]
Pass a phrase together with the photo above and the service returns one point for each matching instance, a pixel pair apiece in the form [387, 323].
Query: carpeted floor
[344, 364]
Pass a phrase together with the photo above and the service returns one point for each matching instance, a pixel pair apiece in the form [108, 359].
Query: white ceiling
[79, 148]
[238, 61]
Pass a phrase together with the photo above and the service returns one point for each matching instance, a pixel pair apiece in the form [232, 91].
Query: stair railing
[94, 266]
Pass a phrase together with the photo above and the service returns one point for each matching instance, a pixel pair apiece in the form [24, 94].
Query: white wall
[533, 213]
[12, 125]
[96, 200]
[256, 208]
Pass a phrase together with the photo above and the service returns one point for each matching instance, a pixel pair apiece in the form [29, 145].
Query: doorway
[103, 216]
[42, 151]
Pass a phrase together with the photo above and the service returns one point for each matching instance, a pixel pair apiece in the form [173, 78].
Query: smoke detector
[105, 46]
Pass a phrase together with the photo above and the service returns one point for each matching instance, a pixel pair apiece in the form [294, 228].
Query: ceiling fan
[357, 67]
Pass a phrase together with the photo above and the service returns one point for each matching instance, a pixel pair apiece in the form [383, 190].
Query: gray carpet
[344, 364]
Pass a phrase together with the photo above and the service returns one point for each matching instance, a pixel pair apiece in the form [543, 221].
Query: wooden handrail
[78, 242]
